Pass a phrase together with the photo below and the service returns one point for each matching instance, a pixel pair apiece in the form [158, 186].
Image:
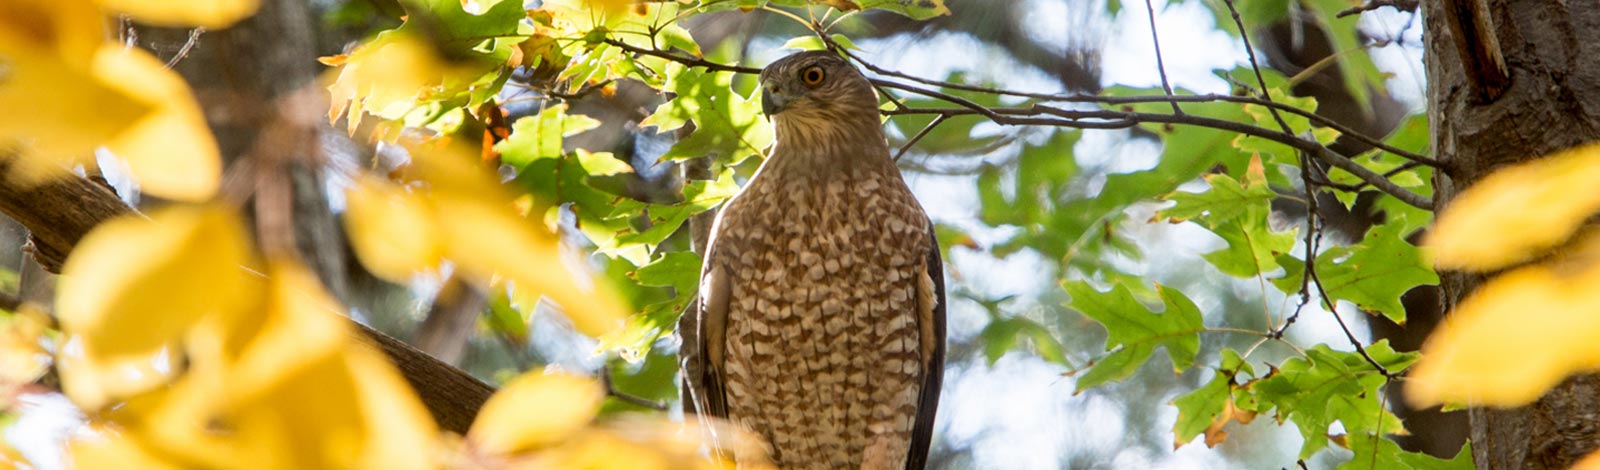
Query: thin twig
[919, 136]
[611, 390]
[1401, 5]
[1048, 97]
[188, 45]
[1161, 64]
[1096, 119]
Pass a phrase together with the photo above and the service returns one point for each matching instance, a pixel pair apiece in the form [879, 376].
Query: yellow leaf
[599, 450]
[23, 358]
[1519, 212]
[1590, 462]
[57, 111]
[385, 77]
[347, 410]
[1518, 335]
[297, 325]
[171, 151]
[485, 239]
[134, 285]
[215, 14]
[94, 382]
[70, 29]
[109, 449]
[533, 410]
[392, 230]
[485, 234]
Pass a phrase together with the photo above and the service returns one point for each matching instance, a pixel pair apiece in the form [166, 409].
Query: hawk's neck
[822, 148]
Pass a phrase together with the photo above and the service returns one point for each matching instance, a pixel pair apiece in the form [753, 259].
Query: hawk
[820, 324]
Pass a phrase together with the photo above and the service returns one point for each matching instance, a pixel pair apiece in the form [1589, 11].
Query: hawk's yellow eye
[812, 76]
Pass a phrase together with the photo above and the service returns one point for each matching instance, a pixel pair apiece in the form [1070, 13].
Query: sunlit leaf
[728, 126]
[109, 449]
[70, 111]
[535, 409]
[1211, 407]
[171, 150]
[391, 229]
[134, 285]
[1491, 224]
[1376, 272]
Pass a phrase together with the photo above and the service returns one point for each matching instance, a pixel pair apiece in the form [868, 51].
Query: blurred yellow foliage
[535, 410]
[1527, 329]
[71, 90]
[548, 420]
[1521, 333]
[1518, 212]
[211, 14]
[23, 358]
[269, 372]
[386, 77]
[453, 209]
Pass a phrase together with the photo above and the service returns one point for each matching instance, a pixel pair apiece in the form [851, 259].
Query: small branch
[1108, 119]
[1048, 97]
[919, 136]
[689, 61]
[1266, 93]
[1161, 64]
[188, 45]
[1401, 5]
[1095, 119]
[611, 390]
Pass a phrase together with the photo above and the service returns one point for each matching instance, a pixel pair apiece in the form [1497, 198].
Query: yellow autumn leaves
[450, 208]
[1526, 329]
[82, 91]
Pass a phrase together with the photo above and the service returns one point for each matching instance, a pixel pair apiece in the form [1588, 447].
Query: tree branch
[1108, 119]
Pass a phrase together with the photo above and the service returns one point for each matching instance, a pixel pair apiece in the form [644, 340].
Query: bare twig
[1083, 119]
[1402, 5]
[919, 136]
[188, 45]
[611, 390]
[1161, 64]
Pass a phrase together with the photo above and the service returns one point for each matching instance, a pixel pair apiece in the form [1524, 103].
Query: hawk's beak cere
[772, 101]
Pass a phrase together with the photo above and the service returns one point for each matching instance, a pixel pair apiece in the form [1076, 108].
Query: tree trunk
[1510, 81]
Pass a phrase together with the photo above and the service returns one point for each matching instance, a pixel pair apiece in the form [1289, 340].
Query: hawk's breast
[822, 343]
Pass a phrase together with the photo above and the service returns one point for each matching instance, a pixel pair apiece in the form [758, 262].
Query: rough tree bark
[1509, 81]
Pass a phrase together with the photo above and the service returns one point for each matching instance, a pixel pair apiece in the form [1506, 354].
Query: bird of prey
[820, 324]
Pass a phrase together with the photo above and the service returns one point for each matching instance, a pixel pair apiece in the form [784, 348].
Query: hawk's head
[816, 86]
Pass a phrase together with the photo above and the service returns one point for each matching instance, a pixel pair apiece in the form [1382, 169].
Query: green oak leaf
[1134, 331]
[542, 135]
[1378, 453]
[1374, 274]
[728, 127]
[1198, 410]
[1327, 386]
[679, 270]
[1002, 334]
[1226, 200]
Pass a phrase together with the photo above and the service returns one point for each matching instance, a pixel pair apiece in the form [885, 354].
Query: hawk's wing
[703, 328]
[930, 320]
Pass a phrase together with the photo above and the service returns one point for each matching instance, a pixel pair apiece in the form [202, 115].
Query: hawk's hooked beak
[772, 100]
